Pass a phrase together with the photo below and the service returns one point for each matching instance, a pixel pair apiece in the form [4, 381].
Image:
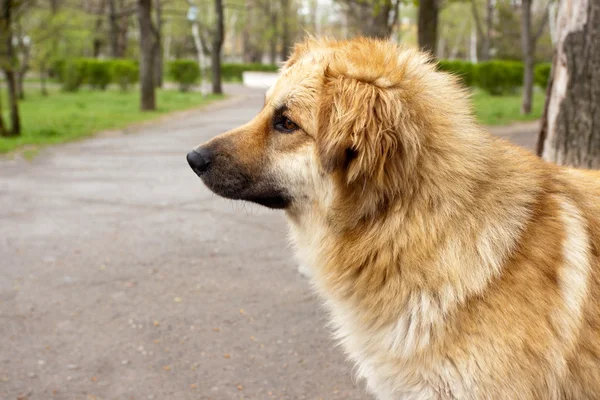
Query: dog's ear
[358, 128]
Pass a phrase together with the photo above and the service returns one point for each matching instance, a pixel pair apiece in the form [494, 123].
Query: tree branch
[540, 29]
[477, 19]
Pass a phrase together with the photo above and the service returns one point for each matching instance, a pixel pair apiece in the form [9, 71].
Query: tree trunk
[9, 61]
[21, 84]
[273, 38]
[158, 54]
[147, 50]
[528, 47]
[217, 43]
[43, 88]
[570, 133]
[113, 28]
[428, 25]
[285, 30]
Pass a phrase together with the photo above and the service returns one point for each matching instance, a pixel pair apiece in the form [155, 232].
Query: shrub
[57, 69]
[125, 73]
[184, 72]
[542, 74]
[98, 73]
[462, 69]
[73, 74]
[233, 72]
[499, 77]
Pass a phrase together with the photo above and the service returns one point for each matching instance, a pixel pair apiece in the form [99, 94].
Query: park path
[124, 278]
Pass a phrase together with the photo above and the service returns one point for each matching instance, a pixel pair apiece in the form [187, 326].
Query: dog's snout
[199, 160]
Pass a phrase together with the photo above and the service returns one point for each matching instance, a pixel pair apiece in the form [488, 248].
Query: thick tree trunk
[147, 50]
[273, 38]
[428, 25]
[570, 133]
[158, 54]
[217, 43]
[528, 47]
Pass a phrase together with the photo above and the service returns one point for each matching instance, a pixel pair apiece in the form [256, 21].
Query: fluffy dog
[454, 265]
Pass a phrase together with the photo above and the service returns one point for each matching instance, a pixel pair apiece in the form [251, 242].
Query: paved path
[124, 278]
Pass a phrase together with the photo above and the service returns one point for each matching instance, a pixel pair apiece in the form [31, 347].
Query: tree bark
[43, 88]
[9, 61]
[286, 46]
[528, 47]
[147, 50]
[428, 25]
[570, 133]
[113, 28]
[158, 54]
[217, 44]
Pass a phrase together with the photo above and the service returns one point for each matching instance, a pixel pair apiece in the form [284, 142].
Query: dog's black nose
[200, 160]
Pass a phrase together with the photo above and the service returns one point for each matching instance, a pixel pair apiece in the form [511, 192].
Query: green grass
[63, 117]
[503, 110]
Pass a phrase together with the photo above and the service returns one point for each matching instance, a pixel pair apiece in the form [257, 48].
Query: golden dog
[454, 265]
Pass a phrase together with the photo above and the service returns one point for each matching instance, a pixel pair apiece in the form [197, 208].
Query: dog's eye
[285, 125]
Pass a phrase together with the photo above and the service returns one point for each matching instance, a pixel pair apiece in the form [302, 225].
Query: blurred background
[96, 48]
[121, 275]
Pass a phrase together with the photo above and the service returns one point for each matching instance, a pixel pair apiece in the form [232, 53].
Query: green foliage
[462, 69]
[98, 73]
[499, 77]
[233, 72]
[125, 73]
[542, 74]
[184, 72]
[57, 69]
[73, 74]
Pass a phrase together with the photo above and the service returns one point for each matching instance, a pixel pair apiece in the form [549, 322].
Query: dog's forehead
[298, 85]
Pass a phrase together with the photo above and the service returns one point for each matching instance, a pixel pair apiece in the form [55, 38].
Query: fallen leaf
[217, 329]
[253, 338]
[102, 267]
[226, 355]
[167, 367]
[242, 311]
[193, 386]
[177, 299]
[94, 379]
[239, 387]
[156, 323]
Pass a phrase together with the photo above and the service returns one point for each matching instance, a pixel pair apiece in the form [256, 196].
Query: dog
[454, 265]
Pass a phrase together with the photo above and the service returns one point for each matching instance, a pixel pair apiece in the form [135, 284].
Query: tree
[570, 133]
[158, 54]
[528, 44]
[486, 35]
[428, 25]
[147, 51]
[9, 62]
[374, 18]
[217, 44]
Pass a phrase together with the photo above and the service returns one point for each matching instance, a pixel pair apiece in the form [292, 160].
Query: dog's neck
[422, 252]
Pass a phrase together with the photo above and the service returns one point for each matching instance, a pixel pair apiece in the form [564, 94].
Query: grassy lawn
[62, 117]
[502, 110]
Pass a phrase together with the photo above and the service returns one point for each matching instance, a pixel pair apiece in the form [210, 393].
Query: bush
[125, 73]
[542, 74]
[98, 73]
[462, 69]
[73, 74]
[57, 69]
[499, 77]
[233, 72]
[184, 72]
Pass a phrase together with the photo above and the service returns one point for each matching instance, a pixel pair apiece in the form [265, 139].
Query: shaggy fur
[455, 265]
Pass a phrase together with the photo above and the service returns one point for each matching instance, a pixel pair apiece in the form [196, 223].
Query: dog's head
[344, 127]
